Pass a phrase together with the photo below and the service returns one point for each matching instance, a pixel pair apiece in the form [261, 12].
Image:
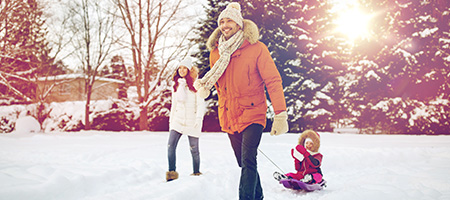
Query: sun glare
[351, 21]
[353, 24]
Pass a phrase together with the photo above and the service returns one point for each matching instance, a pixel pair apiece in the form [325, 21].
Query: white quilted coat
[187, 110]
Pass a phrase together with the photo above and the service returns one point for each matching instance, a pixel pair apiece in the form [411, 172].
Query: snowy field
[108, 165]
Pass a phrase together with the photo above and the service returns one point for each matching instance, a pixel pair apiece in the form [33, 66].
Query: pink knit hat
[232, 11]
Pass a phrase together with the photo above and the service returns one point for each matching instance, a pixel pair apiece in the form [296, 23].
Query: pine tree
[24, 53]
[312, 92]
[295, 33]
[203, 30]
[405, 70]
[117, 70]
[305, 72]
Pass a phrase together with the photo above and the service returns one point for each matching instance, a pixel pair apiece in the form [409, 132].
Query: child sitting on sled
[307, 159]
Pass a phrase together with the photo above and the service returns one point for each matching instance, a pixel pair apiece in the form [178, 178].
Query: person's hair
[190, 78]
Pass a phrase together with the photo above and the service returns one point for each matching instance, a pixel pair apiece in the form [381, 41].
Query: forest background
[378, 66]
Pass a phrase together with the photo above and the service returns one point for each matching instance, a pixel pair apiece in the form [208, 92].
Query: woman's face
[183, 71]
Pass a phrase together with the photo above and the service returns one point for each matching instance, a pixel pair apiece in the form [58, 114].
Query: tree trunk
[143, 124]
[87, 123]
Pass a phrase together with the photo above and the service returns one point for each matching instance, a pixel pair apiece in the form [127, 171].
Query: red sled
[299, 185]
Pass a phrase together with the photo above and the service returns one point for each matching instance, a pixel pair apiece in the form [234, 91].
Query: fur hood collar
[251, 34]
[315, 137]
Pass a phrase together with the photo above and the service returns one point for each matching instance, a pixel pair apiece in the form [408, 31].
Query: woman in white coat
[186, 116]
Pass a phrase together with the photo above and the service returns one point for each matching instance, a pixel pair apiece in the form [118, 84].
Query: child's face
[308, 145]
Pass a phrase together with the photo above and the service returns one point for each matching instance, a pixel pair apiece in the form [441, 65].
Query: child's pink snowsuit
[312, 160]
[307, 166]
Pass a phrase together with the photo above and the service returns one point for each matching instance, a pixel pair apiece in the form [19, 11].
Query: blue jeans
[245, 147]
[174, 137]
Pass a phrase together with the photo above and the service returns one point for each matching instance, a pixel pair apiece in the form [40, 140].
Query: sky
[56, 11]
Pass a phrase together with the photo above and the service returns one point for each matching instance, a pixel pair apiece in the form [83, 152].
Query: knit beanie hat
[232, 11]
[187, 62]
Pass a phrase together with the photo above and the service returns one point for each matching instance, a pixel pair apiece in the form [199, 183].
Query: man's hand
[279, 125]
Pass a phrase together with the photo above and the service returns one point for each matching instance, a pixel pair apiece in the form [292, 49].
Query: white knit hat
[187, 62]
[232, 11]
[308, 139]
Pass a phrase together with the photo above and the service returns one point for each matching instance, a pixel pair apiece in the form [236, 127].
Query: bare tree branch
[147, 25]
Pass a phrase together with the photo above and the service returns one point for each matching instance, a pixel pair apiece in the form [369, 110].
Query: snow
[27, 124]
[373, 74]
[132, 165]
[426, 32]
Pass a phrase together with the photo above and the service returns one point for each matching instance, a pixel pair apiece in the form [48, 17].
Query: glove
[297, 155]
[301, 149]
[279, 125]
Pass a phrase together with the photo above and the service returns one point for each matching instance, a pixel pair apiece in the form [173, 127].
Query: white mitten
[197, 84]
[201, 90]
[279, 125]
[299, 156]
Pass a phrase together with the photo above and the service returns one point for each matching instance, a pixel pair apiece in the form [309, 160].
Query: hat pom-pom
[234, 5]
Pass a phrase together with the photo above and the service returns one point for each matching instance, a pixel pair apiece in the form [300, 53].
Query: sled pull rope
[271, 160]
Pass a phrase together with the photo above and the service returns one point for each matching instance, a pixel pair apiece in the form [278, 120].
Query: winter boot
[278, 176]
[171, 175]
[307, 179]
[196, 174]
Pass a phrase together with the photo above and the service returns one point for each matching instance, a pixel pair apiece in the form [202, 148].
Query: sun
[352, 22]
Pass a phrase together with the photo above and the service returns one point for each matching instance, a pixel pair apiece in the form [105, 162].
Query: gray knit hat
[232, 11]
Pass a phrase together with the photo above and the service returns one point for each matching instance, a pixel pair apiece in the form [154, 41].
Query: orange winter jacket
[242, 98]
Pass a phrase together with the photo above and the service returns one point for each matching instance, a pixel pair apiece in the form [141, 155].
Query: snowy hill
[111, 165]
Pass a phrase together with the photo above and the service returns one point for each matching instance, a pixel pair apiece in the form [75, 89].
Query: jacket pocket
[251, 101]
[252, 108]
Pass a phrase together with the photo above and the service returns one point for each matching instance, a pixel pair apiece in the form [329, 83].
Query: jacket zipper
[304, 167]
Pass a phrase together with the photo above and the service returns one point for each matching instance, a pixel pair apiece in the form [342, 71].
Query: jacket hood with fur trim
[251, 34]
[314, 137]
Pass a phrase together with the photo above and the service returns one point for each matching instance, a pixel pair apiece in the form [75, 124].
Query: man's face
[228, 27]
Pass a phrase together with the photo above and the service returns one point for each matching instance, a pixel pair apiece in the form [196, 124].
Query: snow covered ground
[124, 165]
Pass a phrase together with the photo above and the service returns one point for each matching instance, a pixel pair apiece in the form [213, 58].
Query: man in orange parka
[241, 67]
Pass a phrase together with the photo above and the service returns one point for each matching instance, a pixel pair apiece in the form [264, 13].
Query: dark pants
[245, 146]
[174, 137]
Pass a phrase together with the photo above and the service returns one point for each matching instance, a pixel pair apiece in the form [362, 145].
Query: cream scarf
[226, 49]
